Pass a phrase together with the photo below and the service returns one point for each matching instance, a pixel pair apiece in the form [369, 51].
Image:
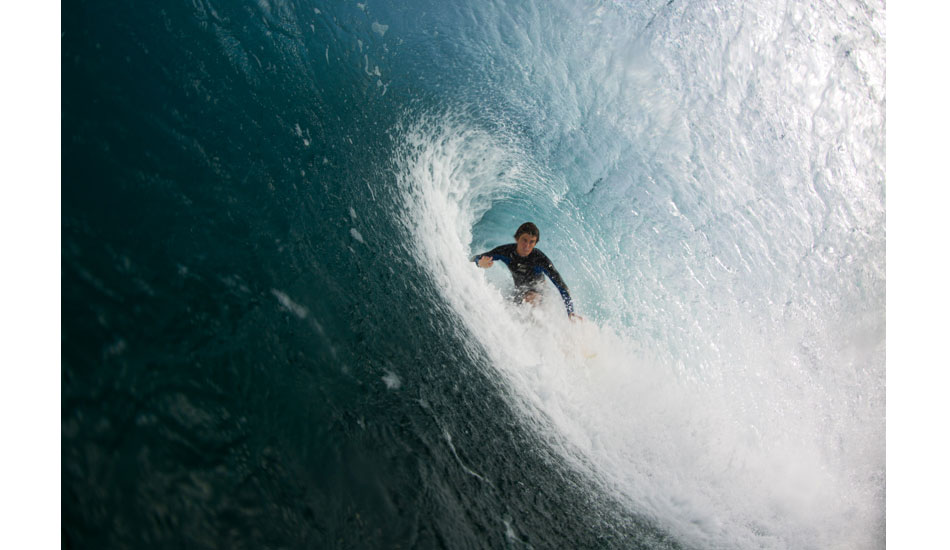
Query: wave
[720, 425]
[310, 180]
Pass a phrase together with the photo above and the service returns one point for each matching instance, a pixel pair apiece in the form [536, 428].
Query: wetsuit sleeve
[548, 269]
[497, 253]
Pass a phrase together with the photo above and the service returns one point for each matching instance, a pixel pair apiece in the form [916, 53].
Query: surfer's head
[529, 228]
[526, 237]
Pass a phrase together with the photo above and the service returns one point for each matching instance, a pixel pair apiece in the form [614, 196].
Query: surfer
[528, 266]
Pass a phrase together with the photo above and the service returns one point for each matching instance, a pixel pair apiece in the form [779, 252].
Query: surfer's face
[526, 244]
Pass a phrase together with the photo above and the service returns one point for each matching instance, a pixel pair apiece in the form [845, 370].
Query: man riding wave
[528, 266]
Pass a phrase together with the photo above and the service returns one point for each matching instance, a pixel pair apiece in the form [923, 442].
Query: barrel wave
[273, 335]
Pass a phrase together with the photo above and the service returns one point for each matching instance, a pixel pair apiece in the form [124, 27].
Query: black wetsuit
[529, 271]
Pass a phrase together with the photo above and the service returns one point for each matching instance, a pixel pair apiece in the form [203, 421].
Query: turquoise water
[272, 336]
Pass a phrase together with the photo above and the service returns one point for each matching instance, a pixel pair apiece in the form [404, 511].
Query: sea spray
[718, 459]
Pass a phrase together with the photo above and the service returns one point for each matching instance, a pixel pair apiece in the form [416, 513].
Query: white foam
[392, 381]
[379, 28]
[295, 308]
[727, 457]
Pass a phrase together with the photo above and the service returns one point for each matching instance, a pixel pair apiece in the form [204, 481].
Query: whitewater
[273, 335]
[712, 190]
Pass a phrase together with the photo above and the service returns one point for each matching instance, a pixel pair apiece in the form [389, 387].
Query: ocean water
[272, 336]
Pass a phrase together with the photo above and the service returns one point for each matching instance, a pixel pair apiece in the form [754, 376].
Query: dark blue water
[263, 205]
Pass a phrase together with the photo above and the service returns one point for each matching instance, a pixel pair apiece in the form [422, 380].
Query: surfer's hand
[485, 262]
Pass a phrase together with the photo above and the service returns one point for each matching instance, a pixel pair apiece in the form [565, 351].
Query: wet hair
[529, 228]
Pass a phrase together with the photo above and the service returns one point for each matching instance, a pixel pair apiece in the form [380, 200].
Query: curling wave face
[272, 334]
[730, 382]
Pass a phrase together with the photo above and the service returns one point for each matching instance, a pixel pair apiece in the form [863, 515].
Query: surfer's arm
[548, 269]
[486, 259]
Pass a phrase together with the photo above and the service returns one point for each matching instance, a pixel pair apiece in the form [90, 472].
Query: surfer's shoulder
[538, 255]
